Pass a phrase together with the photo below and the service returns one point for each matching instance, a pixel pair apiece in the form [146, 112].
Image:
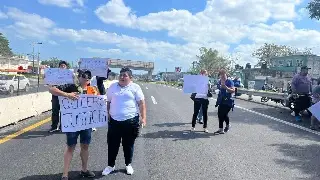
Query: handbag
[193, 96]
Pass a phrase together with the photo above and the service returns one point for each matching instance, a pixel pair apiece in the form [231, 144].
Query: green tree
[314, 9]
[5, 49]
[268, 51]
[210, 60]
[53, 62]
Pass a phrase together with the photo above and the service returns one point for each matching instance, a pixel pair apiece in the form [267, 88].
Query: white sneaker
[193, 129]
[94, 129]
[205, 130]
[108, 170]
[129, 169]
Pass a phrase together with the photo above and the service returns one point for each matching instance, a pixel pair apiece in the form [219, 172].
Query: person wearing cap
[225, 102]
[71, 91]
[125, 105]
[55, 112]
[301, 86]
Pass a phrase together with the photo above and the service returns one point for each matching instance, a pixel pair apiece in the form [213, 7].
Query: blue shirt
[237, 83]
[224, 97]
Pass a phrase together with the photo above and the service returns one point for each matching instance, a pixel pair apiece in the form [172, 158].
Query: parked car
[10, 82]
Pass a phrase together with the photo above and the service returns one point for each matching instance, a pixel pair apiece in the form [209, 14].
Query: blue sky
[168, 33]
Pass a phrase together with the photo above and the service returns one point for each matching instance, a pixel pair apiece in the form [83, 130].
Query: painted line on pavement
[278, 120]
[153, 100]
[146, 87]
[29, 128]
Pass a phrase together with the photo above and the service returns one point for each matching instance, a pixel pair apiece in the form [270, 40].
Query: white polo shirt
[124, 101]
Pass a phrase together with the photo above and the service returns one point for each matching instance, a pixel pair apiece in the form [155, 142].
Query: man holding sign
[55, 118]
[71, 91]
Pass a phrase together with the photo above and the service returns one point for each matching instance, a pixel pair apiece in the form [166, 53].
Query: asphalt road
[263, 144]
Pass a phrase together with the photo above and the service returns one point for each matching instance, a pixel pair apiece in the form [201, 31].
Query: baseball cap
[63, 62]
[305, 67]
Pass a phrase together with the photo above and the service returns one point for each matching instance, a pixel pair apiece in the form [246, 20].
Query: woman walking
[225, 101]
[200, 101]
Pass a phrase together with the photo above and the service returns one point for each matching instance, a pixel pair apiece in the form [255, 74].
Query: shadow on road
[72, 175]
[31, 134]
[305, 158]
[170, 124]
[177, 135]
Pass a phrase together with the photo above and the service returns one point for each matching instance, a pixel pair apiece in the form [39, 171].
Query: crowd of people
[127, 111]
[126, 115]
[224, 103]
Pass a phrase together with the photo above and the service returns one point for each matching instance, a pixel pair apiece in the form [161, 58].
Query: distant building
[289, 65]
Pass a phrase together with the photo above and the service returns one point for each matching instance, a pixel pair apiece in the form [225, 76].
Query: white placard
[58, 76]
[97, 66]
[195, 84]
[315, 110]
[251, 84]
[89, 111]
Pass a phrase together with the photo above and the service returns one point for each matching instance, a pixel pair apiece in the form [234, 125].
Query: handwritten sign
[315, 110]
[97, 66]
[89, 111]
[195, 84]
[58, 76]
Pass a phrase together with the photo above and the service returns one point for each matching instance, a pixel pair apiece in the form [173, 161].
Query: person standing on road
[201, 101]
[301, 87]
[225, 102]
[125, 105]
[71, 91]
[55, 115]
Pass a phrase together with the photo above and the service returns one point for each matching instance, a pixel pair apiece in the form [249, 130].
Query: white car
[9, 83]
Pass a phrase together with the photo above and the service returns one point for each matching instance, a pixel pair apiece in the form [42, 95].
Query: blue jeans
[200, 114]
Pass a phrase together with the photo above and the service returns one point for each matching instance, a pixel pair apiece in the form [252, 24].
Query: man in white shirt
[125, 105]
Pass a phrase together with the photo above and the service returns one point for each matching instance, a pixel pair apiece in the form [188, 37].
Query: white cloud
[101, 51]
[63, 3]
[52, 42]
[3, 15]
[222, 20]
[29, 25]
[148, 49]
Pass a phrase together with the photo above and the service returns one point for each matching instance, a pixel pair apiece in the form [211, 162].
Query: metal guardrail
[273, 95]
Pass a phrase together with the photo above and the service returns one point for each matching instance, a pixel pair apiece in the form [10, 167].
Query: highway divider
[15, 109]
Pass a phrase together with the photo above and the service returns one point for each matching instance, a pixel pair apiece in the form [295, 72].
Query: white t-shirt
[124, 101]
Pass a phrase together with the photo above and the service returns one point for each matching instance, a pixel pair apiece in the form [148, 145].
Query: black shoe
[227, 128]
[54, 130]
[87, 174]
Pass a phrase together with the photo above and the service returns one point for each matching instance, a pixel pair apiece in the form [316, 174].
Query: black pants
[128, 131]
[223, 111]
[302, 103]
[55, 117]
[198, 103]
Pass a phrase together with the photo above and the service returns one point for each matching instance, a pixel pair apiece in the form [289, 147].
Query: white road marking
[146, 87]
[278, 120]
[153, 100]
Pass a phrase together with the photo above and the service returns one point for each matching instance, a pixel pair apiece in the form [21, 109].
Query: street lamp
[34, 43]
[38, 68]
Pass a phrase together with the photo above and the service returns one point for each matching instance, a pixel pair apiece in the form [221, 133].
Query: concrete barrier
[21, 107]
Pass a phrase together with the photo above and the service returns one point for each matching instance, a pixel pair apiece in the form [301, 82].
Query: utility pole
[32, 58]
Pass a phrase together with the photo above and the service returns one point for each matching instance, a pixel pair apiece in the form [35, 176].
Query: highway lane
[257, 147]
